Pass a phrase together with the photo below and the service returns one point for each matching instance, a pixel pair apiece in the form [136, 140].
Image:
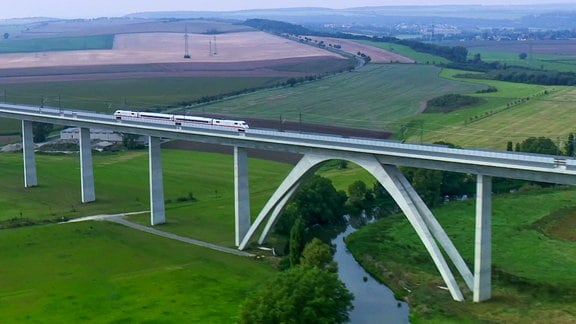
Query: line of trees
[544, 145]
[530, 76]
[504, 72]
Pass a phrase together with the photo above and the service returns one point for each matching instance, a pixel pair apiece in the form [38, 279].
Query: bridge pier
[241, 193]
[30, 178]
[157, 212]
[86, 168]
[483, 241]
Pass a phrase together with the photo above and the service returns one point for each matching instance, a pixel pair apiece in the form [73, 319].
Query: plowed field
[162, 55]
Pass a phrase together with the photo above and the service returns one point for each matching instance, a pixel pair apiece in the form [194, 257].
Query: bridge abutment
[241, 194]
[86, 167]
[157, 212]
[30, 177]
[483, 241]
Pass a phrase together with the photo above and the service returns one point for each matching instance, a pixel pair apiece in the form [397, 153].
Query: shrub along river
[373, 301]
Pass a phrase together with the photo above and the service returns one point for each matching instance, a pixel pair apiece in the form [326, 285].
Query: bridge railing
[366, 145]
[357, 143]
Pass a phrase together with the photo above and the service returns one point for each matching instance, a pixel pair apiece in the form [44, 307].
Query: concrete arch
[419, 216]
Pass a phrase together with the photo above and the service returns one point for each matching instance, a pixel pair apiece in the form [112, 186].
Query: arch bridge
[380, 158]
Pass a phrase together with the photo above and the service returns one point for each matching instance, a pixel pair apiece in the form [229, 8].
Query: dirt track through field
[121, 219]
[377, 55]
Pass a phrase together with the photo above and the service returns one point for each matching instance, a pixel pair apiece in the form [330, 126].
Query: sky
[116, 8]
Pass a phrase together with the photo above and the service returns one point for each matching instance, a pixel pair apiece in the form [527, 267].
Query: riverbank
[533, 264]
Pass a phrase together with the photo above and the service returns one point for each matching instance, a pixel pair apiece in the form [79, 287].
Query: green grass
[565, 63]
[374, 97]
[121, 184]
[137, 94]
[543, 114]
[103, 272]
[98, 42]
[419, 57]
[532, 272]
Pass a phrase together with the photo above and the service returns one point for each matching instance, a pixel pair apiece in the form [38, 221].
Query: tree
[539, 145]
[318, 202]
[320, 255]
[357, 193]
[569, 147]
[428, 184]
[477, 58]
[6, 35]
[522, 56]
[284, 224]
[130, 141]
[41, 131]
[299, 295]
[297, 242]
[509, 146]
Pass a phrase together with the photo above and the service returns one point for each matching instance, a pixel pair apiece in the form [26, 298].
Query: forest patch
[451, 102]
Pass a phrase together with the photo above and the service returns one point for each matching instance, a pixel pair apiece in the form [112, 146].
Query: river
[374, 303]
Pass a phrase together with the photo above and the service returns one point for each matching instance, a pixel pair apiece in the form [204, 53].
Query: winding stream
[373, 301]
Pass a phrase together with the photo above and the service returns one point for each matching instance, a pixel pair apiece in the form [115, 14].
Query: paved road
[121, 219]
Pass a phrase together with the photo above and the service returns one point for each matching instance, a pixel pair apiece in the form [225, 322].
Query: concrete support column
[483, 242]
[241, 194]
[86, 169]
[157, 212]
[30, 179]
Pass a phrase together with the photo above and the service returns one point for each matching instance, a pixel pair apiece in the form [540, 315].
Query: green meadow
[565, 63]
[373, 97]
[121, 184]
[104, 272]
[533, 260]
[101, 272]
[546, 111]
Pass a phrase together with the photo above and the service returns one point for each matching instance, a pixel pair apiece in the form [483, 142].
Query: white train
[180, 120]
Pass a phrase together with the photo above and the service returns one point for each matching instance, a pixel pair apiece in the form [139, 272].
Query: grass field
[532, 271]
[136, 94]
[103, 272]
[566, 63]
[373, 97]
[543, 114]
[98, 42]
[121, 183]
